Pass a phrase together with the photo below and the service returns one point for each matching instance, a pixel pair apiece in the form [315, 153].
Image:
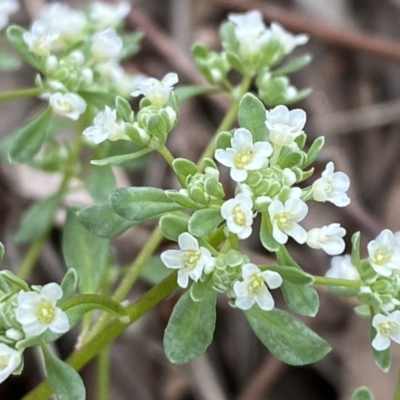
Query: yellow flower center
[44, 312]
[383, 256]
[191, 258]
[256, 284]
[284, 220]
[4, 361]
[243, 158]
[388, 328]
[239, 216]
[65, 105]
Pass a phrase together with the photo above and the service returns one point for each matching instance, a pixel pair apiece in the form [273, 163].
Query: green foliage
[293, 275]
[267, 240]
[252, 116]
[2, 251]
[28, 141]
[130, 43]
[69, 284]
[142, 203]
[123, 158]
[314, 151]
[383, 358]
[362, 393]
[64, 380]
[84, 252]
[191, 328]
[124, 109]
[98, 99]
[204, 221]
[172, 225]
[9, 62]
[184, 167]
[154, 271]
[184, 93]
[286, 337]
[100, 183]
[293, 65]
[38, 219]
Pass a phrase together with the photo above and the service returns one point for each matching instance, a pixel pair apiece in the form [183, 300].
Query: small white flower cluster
[60, 27]
[7, 7]
[28, 315]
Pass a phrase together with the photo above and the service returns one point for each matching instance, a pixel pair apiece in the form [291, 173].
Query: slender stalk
[397, 392]
[103, 374]
[31, 256]
[20, 94]
[323, 280]
[169, 158]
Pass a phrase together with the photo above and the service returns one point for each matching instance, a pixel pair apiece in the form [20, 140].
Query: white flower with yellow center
[243, 156]
[286, 39]
[343, 268]
[190, 261]
[37, 312]
[250, 31]
[105, 127]
[327, 238]
[387, 328]
[106, 46]
[238, 213]
[41, 38]
[157, 91]
[384, 254]
[254, 288]
[285, 126]
[285, 218]
[332, 187]
[69, 105]
[10, 359]
[108, 15]
[7, 7]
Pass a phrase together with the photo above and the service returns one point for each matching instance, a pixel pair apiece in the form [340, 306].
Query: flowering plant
[270, 165]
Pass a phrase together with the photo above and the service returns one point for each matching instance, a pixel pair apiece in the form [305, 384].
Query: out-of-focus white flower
[105, 127]
[250, 31]
[253, 288]
[69, 105]
[285, 218]
[384, 255]
[190, 261]
[41, 38]
[244, 156]
[7, 7]
[387, 328]
[343, 268]
[327, 238]
[10, 359]
[285, 126]
[287, 40]
[238, 213]
[332, 187]
[14, 334]
[157, 91]
[70, 23]
[37, 312]
[107, 15]
[107, 45]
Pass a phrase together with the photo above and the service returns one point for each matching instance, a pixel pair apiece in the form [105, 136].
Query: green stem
[31, 256]
[397, 392]
[90, 349]
[20, 94]
[169, 158]
[103, 374]
[323, 280]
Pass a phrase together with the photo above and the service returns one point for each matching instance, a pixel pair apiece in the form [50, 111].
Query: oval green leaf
[362, 393]
[205, 221]
[252, 116]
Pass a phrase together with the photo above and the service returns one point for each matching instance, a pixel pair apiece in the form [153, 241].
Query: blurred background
[355, 104]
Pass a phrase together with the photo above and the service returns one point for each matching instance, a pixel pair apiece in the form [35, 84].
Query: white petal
[241, 138]
[238, 175]
[298, 119]
[245, 232]
[380, 342]
[187, 242]
[52, 292]
[60, 324]
[249, 269]
[170, 79]
[225, 157]
[244, 303]
[172, 258]
[279, 235]
[266, 301]
[240, 289]
[272, 278]
[183, 278]
[298, 233]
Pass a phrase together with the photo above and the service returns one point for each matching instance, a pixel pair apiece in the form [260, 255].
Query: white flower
[37, 312]
[69, 105]
[105, 127]
[253, 288]
[285, 218]
[14, 334]
[10, 359]
[343, 268]
[106, 15]
[285, 126]
[250, 31]
[384, 255]
[7, 7]
[190, 261]
[387, 327]
[332, 186]
[41, 38]
[238, 213]
[327, 238]
[244, 156]
[287, 40]
[107, 45]
[157, 91]
[68, 22]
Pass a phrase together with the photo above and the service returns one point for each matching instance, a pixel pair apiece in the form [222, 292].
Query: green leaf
[252, 116]
[142, 203]
[120, 159]
[294, 65]
[383, 358]
[191, 328]
[286, 337]
[200, 289]
[2, 251]
[301, 299]
[69, 284]
[124, 109]
[173, 225]
[38, 219]
[15, 36]
[154, 271]
[267, 240]
[85, 252]
[98, 99]
[64, 380]
[362, 393]
[293, 275]
[355, 252]
[203, 222]
[131, 43]
[314, 151]
[103, 221]
[9, 62]
[289, 158]
[101, 183]
[184, 167]
[223, 140]
[30, 138]
[185, 93]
